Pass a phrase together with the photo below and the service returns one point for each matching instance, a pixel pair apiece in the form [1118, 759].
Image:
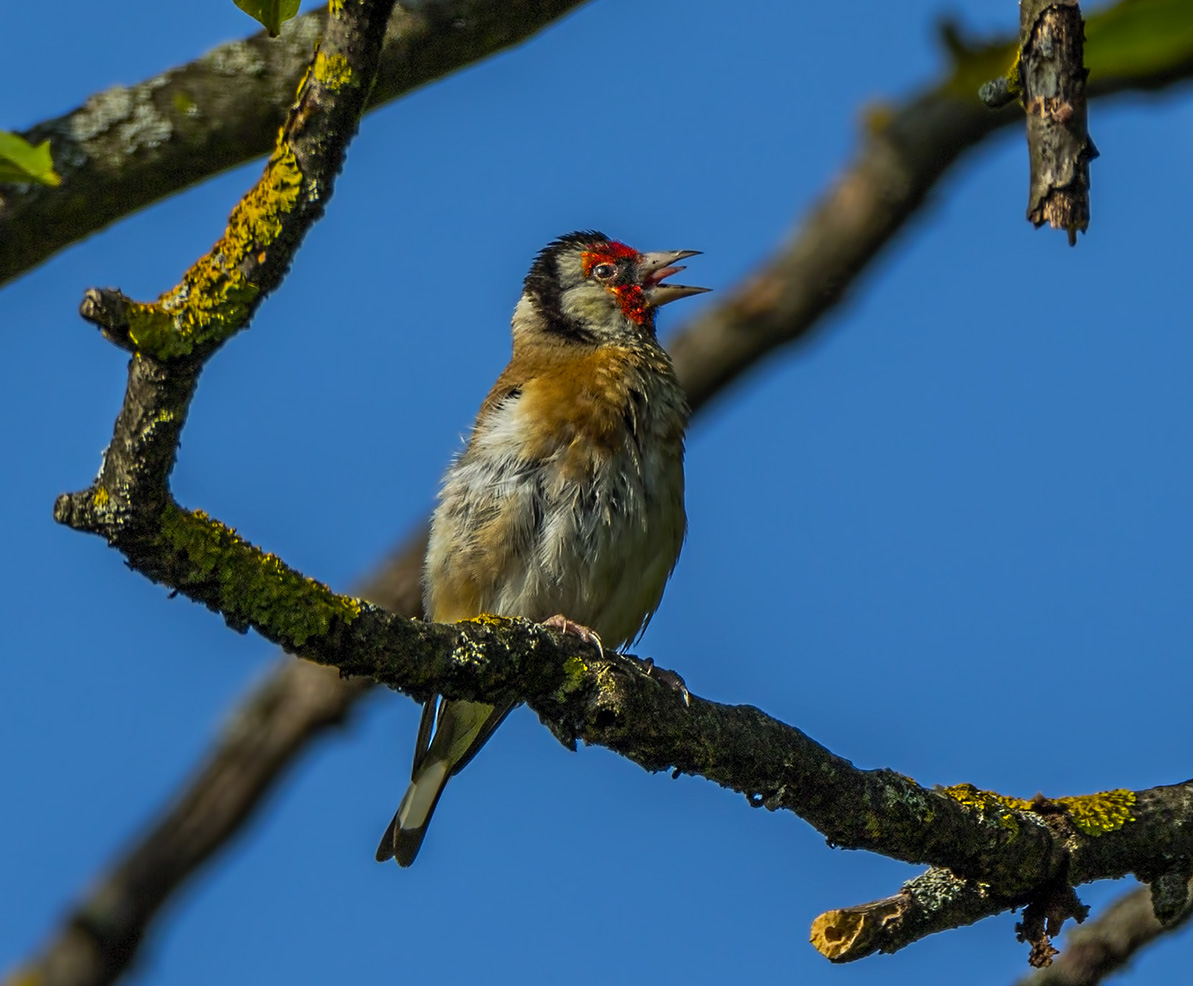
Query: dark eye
[604, 271]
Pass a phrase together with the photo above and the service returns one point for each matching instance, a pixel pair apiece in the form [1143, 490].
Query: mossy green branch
[248, 586]
[215, 299]
[217, 295]
[575, 671]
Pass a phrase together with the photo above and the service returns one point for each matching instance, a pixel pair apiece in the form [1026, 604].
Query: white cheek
[590, 305]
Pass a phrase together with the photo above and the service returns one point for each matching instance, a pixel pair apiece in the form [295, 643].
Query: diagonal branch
[128, 147]
[170, 340]
[1021, 852]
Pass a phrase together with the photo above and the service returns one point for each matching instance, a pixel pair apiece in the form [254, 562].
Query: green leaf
[1137, 36]
[271, 13]
[20, 161]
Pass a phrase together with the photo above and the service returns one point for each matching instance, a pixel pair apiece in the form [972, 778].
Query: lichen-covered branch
[931, 902]
[1017, 849]
[219, 293]
[171, 338]
[1021, 852]
[130, 502]
[1013, 846]
[128, 147]
[938, 900]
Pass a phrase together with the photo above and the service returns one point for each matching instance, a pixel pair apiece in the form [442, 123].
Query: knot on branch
[1043, 918]
[108, 310]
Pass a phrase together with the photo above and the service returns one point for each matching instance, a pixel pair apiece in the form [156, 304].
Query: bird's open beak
[655, 266]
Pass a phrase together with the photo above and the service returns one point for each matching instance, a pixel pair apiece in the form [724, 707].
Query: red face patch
[606, 253]
[634, 305]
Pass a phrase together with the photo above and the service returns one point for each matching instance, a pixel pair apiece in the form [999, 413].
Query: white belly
[531, 539]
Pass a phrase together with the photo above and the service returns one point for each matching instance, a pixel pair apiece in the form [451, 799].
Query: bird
[566, 505]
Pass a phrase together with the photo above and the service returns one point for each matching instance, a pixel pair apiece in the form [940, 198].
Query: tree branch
[171, 339]
[1053, 74]
[1021, 852]
[939, 900]
[126, 148]
[781, 304]
[1015, 847]
[931, 902]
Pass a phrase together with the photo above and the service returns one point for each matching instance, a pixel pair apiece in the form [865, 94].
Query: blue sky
[951, 536]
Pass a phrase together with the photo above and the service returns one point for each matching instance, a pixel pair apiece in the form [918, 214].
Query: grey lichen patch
[896, 796]
[302, 32]
[493, 644]
[936, 888]
[238, 58]
[129, 113]
[1170, 894]
[100, 112]
[145, 128]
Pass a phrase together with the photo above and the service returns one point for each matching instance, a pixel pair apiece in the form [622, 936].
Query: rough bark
[1052, 73]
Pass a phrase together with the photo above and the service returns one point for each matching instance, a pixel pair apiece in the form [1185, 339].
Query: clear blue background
[952, 536]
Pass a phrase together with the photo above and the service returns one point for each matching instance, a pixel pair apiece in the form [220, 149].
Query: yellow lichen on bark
[255, 588]
[1091, 814]
[1096, 814]
[214, 298]
[989, 803]
[332, 70]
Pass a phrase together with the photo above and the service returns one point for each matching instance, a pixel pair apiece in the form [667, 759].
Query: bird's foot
[564, 625]
[665, 676]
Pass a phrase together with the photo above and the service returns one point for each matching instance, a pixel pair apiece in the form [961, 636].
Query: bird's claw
[564, 625]
[666, 677]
